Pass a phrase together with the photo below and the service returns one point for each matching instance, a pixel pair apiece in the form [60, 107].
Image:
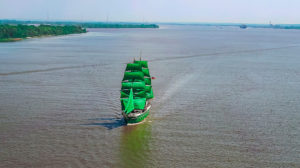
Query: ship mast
[140, 55]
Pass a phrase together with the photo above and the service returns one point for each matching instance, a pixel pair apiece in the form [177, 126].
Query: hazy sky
[235, 11]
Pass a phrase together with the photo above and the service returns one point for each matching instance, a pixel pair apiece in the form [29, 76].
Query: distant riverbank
[244, 25]
[118, 25]
[12, 33]
[13, 30]
[83, 24]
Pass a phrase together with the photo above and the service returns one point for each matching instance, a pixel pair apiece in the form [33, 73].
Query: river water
[224, 97]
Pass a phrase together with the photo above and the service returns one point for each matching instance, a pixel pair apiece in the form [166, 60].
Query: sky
[202, 11]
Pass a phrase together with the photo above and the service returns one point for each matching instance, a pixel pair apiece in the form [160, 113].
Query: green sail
[148, 88]
[133, 67]
[140, 94]
[130, 104]
[149, 95]
[124, 94]
[147, 81]
[146, 72]
[133, 85]
[142, 63]
[139, 104]
[133, 76]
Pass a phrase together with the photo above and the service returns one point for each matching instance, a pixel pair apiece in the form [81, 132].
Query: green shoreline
[20, 39]
[81, 24]
[118, 25]
[11, 39]
[13, 33]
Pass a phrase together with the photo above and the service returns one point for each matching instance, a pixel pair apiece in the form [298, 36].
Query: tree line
[85, 24]
[117, 25]
[23, 31]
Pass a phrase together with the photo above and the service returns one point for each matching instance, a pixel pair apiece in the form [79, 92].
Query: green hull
[138, 119]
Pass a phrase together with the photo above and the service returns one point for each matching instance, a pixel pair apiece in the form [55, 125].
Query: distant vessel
[243, 26]
[136, 92]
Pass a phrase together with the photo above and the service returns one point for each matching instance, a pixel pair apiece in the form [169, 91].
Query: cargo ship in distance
[243, 26]
[136, 92]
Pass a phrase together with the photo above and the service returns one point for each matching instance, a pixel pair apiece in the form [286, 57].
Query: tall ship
[136, 92]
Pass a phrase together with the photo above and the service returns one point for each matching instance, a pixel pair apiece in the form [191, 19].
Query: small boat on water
[136, 92]
[243, 26]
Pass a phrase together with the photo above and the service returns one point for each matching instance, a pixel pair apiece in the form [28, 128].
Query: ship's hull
[138, 117]
[135, 120]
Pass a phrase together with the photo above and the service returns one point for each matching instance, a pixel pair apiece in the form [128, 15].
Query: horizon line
[148, 22]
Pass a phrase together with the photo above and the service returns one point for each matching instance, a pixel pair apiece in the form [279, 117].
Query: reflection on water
[134, 146]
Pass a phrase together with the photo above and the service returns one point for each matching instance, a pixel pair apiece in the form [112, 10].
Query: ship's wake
[162, 105]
